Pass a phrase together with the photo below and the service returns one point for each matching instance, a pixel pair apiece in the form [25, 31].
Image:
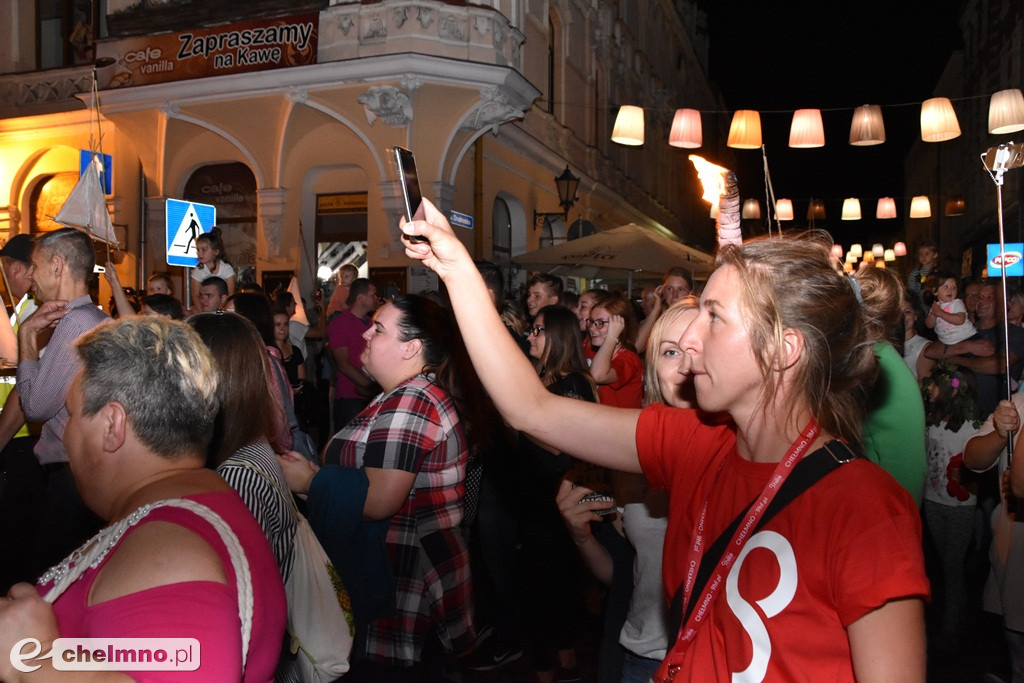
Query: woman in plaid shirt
[414, 451]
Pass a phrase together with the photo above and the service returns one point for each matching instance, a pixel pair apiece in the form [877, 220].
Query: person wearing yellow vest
[21, 478]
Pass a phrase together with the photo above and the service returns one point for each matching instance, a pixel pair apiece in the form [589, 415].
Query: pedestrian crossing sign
[185, 222]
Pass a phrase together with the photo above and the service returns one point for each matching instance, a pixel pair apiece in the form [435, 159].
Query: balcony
[43, 92]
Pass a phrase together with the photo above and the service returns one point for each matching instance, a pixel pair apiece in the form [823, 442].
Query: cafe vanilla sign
[216, 51]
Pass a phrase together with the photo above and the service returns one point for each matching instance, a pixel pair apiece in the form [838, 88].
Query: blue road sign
[185, 222]
[463, 220]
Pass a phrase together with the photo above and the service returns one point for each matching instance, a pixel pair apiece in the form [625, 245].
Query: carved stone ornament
[452, 28]
[400, 16]
[272, 233]
[493, 110]
[425, 16]
[375, 28]
[391, 105]
[345, 23]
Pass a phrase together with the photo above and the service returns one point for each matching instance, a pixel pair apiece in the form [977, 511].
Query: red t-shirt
[627, 390]
[844, 547]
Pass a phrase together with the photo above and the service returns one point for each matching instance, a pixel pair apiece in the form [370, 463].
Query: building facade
[281, 114]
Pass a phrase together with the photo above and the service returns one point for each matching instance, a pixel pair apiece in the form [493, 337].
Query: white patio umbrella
[627, 248]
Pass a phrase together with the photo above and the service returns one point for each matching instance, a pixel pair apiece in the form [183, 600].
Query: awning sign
[185, 222]
[1012, 259]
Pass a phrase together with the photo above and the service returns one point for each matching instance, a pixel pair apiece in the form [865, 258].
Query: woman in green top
[894, 429]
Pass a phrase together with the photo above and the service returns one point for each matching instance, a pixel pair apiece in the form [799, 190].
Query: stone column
[270, 203]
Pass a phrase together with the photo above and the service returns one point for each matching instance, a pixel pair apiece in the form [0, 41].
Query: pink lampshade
[837, 251]
[806, 130]
[745, 131]
[686, 129]
[938, 120]
[886, 208]
[899, 249]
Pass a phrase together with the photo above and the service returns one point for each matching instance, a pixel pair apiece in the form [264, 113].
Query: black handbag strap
[805, 474]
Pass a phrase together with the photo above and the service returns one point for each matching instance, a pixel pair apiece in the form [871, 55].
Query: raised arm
[599, 434]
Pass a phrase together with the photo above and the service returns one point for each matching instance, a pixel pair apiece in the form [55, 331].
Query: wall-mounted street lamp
[567, 185]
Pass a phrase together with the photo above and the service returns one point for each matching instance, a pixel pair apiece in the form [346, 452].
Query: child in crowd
[948, 315]
[160, 283]
[212, 263]
[953, 417]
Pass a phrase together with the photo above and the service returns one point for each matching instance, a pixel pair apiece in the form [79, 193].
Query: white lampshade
[938, 120]
[878, 251]
[784, 209]
[886, 208]
[890, 255]
[1006, 112]
[629, 126]
[686, 129]
[899, 249]
[920, 207]
[745, 131]
[751, 209]
[806, 130]
[867, 127]
[851, 209]
[850, 258]
[857, 251]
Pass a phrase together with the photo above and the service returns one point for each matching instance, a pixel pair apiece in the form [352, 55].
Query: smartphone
[410, 183]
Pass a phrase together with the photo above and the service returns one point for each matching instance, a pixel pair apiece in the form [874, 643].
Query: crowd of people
[794, 455]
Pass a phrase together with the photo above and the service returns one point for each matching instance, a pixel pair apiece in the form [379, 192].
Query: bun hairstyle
[788, 283]
[882, 295]
[216, 242]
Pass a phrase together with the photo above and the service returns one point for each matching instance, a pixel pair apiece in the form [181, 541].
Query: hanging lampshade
[857, 251]
[880, 264]
[920, 207]
[851, 209]
[869, 257]
[938, 120]
[751, 209]
[816, 210]
[1006, 112]
[837, 251]
[878, 251]
[686, 129]
[629, 126]
[784, 209]
[900, 249]
[850, 258]
[848, 267]
[745, 131]
[867, 127]
[886, 208]
[806, 130]
[890, 255]
[955, 206]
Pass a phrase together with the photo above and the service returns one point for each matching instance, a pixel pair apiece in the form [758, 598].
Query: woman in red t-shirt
[779, 346]
[614, 364]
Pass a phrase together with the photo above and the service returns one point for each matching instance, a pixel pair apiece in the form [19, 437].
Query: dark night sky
[781, 56]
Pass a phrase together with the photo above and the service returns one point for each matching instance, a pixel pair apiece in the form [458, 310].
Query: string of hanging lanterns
[938, 123]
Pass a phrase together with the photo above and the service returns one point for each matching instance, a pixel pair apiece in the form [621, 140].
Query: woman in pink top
[140, 419]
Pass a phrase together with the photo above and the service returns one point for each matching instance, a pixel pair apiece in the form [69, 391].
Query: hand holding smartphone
[410, 183]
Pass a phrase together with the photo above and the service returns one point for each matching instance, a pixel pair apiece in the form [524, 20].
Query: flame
[712, 179]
